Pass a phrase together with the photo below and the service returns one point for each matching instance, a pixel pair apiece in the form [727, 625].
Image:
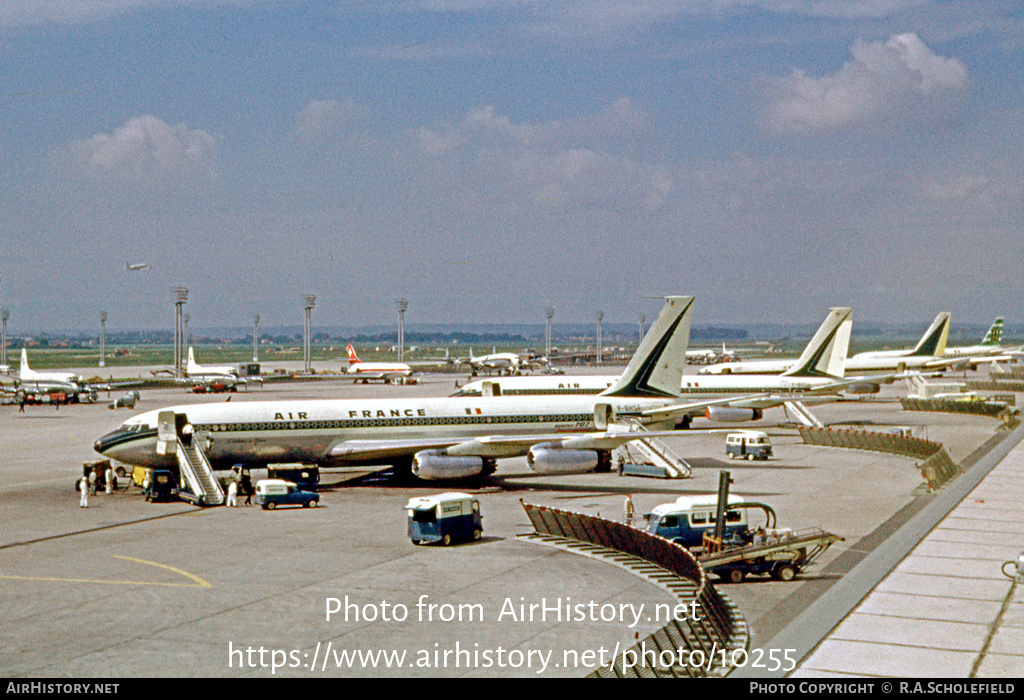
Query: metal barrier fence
[997, 385]
[936, 466]
[711, 637]
[1006, 372]
[939, 469]
[1009, 416]
[974, 408]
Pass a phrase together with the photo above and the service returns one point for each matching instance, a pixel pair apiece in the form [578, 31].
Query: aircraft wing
[765, 400]
[865, 379]
[1012, 356]
[367, 376]
[954, 363]
[491, 446]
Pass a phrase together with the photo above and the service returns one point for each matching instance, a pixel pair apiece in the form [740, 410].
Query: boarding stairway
[661, 460]
[799, 413]
[197, 474]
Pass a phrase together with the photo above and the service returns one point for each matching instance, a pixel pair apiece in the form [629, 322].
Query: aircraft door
[166, 432]
[604, 415]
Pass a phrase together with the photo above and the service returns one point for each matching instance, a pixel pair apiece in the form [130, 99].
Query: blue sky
[489, 158]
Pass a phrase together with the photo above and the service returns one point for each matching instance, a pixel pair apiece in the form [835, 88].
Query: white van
[748, 444]
[687, 519]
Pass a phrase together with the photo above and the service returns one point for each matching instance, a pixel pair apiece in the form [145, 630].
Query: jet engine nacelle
[863, 388]
[435, 464]
[732, 414]
[550, 458]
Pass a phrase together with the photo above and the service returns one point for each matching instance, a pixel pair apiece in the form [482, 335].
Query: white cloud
[619, 121]
[897, 84]
[553, 163]
[146, 150]
[33, 13]
[320, 118]
[845, 9]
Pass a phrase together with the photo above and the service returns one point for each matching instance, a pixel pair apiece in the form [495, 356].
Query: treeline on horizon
[577, 334]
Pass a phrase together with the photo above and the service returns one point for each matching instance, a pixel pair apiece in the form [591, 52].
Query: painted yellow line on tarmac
[197, 582]
[200, 582]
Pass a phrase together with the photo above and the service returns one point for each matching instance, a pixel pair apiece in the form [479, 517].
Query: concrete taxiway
[126, 588]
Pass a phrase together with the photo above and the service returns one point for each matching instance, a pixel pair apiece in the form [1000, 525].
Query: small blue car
[270, 493]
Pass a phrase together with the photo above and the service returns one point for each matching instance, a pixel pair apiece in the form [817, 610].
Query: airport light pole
[5, 314]
[255, 337]
[643, 319]
[103, 338]
[600, 317]
[180, 297]
[308, 302]
[403, 305]
[549, 313]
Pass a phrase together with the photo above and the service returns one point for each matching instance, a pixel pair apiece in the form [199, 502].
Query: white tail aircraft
[434, 438]
[29, 378]
[926, 355]
[819, 370]
[989, 350]
[932, 343]
[224, 376]
[31, 381]
[382, 371]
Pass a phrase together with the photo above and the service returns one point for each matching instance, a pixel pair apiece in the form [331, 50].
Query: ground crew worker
[93, 481]
[108, 476]
[246, 486]
[83, 487]
[233, 494]
[627, 510]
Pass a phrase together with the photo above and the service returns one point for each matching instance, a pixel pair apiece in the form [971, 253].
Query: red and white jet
[386, 372]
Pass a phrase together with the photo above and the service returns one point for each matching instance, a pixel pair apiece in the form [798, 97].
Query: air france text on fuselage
[379, 413]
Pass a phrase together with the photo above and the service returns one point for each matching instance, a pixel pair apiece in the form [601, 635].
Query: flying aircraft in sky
[134, 267]
[433, 438]
[381, 371]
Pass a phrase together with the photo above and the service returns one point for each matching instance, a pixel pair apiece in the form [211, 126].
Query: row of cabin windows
[381, 422]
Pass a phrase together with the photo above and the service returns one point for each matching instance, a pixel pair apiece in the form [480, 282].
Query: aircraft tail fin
[192, 366]
[825, 355]
[933, 342]
[25, 370]
[994, 336]
[352, 357]
[656, 370]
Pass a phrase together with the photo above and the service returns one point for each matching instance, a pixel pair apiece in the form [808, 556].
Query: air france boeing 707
[439, 438]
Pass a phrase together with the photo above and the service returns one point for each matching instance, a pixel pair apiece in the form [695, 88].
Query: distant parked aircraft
[383, 371]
